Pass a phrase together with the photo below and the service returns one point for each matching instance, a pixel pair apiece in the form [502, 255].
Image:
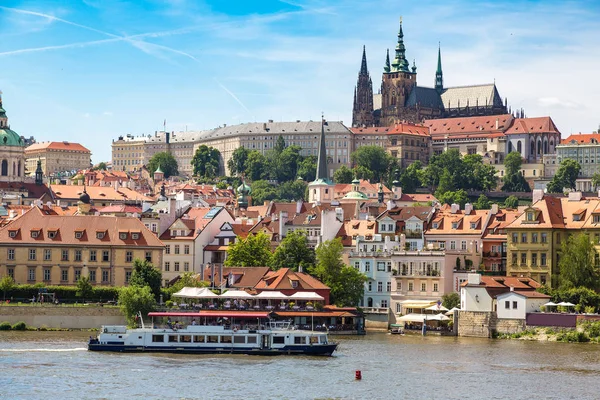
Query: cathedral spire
[400, 63]
[439, 79]
[322, 159]
[387, 62]
[363, 65]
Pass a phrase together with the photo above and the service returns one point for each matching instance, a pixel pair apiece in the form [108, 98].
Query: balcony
[360, 253]
[413, 234]
[440, 253]
[494, 254]
[431, 273]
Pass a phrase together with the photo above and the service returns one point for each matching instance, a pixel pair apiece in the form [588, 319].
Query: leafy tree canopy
[167, 163]
[294, 251]
[84, 288]
[565, 177]
[577, 264]
[7, 283]
[513, 178]
[134, 299]
[457, 197]
[237, 162]
[206, 162]
[596, 180]
[307, 168]
[374, 159]
[101, 166]
[252, 251]
[292, 190]
[482, 203]
[410, 178]
[451, 300]
[187, 279]
[343, 175]
[511, 202]
[144, 274]
[263, 190]
[255, 166]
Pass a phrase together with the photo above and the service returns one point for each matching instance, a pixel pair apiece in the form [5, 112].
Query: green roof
[10, 138]
[354, 195]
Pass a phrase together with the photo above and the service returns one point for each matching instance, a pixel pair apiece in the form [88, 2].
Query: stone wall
[377, 320]
[62, 316]
[509, 326]
[482, 324]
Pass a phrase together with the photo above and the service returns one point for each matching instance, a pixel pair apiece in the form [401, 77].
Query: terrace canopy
[236, 294]
[436, 307]
[306, 296]
[195, 293]
[274, 295]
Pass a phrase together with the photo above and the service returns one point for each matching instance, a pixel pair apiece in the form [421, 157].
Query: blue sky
[91, 70]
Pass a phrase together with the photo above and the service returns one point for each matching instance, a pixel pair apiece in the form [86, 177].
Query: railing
[375, 310]
[383, 253]
[421, 273]
[413, 234]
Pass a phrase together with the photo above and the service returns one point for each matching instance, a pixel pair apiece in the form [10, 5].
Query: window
[380, 265]
[463, 245]
[423, 287]
[543, 259]
[357, 265]
[278, 339]
[64, 275]
[167, 249]
[455, 225]
[534, 259]
[380, 286]
[92, 276]
[92, 255]
[51, 234]
[31, 274]
[32, 254]
[176, 249]
[167, 266]
[515, 237]
[99, 235]
[12, 234]
[34, 234]
[123, 235]
[523, 258]
[10, 272]
[370, 286]
[77, 255]
[149, 256]
[104, 276]
[186, 249]
[473, 225]
[78, 235]
[46, 274]
[507, 305]
[410, 286]
[452, 245]
[129, 256]
[399, 286]
[435, 287]
[77, 275]
[523, 237]
[384, 303]
[435, 225]
[105, 256]
[127, 276]
[534, 237]
[367, 266]
[544, 237]
[47, 254]
[596, 218]
[514, 305]
[10, 254]
[135, 235]
[186, 267]
[176, 264]
[65, 255]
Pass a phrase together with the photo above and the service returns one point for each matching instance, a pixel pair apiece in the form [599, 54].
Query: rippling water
[56, 365]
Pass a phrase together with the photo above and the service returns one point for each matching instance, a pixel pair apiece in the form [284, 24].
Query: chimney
[474, 279]
[299, 206]
[300, 268]
[266, 203]
[454, 208]
[390, 205]
[512, 288]
[468, 208]
[172, 205]
[339, 214]
[264, 126]
[575, 196]
[283, 218]
[494, 209]
[497, 123]
[397, 192]
[537, 195]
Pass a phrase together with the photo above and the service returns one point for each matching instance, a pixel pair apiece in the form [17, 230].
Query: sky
[88, 71]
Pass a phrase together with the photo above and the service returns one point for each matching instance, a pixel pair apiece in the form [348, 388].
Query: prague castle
[401, 99]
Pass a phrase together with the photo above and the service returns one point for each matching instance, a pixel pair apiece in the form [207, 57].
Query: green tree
[7, 284]
[451, 300]
[343, 175]
[144, 274]
[480, 176]
[446, 184]
[237, 162]
[457, 197]
[84, 288]
[361, 172]
[374, 159]
[287, 162]
[565, 177]
[279, 145]
[167, 163]
[513, 178]
[410, 178]
[206, 162]
[261, 191]
[307, 168]
[449, 162]
[577, 263]
[346, 283]
[511, 202]
[187, 279]
[255, 166]
[293, 251]
[252, 251]
[292, 190]
[482, 203]
[596, 180]
[134, 299]
[101, 166]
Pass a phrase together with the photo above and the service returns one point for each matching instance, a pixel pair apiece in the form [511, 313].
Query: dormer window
[596, 218]
[455, 225]
[99, 235]
[123, 235]
[135, 236]
[435, 225]
[78, 234]
[530, 216]
[473, 225]
[35, 234]
[12, 234]
[294, 284]
[51, 234]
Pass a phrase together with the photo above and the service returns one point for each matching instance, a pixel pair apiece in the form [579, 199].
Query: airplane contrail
[232, 95]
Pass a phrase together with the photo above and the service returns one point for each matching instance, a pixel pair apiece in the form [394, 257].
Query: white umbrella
[274, 295]
[438, 317]
[306, 296]
[550, 304]
[437, 307]
[236, 294]
[565, 304]
[451, 311]
[204, 293]
[188, 292]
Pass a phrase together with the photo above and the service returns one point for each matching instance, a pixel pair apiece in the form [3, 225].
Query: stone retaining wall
[377, 321]
[62, 316]
[483, 324]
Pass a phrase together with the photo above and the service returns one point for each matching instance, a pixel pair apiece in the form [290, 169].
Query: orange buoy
[358, 375]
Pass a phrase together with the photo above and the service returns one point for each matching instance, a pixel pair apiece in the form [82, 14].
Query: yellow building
[58, 249]
[57, 157]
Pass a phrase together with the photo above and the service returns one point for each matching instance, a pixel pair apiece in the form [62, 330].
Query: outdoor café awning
[306, 296]
[419, 304]
[186, 292]
[436, 307]
[412, 318]
[272, 295]
[233, 314]
[236, 294]
[195, 293]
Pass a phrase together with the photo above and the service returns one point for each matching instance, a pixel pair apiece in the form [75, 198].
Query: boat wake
[42, 350]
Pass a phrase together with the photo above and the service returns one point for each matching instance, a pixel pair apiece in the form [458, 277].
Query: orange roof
[67, 225]
[97, 193]
[371, 130]
[506, 282]
[585, 138]
[283, 277]
[452, 126]
[62, 146]
[409, 129]
[532, 125]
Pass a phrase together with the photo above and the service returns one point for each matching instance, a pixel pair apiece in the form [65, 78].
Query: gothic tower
[397, 83]
[439, 79]
[362, 111]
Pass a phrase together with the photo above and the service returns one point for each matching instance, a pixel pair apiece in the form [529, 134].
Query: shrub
[573, 337]
[589, 310]
[5, 326]
[169, 303]
[19, 326]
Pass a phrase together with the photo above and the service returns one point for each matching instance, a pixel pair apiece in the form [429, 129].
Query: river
[56, 365]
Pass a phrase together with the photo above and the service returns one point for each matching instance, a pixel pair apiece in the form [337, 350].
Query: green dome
[354, 195]
[244, 189]
[10, 138]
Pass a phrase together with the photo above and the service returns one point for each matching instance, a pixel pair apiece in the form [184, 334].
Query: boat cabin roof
[211, 314]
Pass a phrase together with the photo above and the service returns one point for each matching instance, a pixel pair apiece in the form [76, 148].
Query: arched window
[539, 146]
[545, 146]
[14, 168]
[370, 302]
[519, 146]
[4, 168]
[510, 147]
[532, 148]
[19, 169]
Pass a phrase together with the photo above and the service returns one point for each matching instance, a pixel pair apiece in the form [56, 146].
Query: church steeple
[387, 68]
[400, 63]
[439, 80]
[322, 158]
[363, 64]
[362, 111]
[39, 174]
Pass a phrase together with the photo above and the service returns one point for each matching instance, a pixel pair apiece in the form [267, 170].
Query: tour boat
[205, 332]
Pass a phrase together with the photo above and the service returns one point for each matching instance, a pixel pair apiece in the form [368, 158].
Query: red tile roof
[532, 125]
[475, 125]
[63, 146]
[581, 138]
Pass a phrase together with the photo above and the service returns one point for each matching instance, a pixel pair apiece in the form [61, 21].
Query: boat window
[158, 338]
[225, 339]
[299, 340]
[251, 339]
[239, 339]
[173, 338]
[314, 339]
[278, 340]
[212, 339]
[199, 339]
[185, 338]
